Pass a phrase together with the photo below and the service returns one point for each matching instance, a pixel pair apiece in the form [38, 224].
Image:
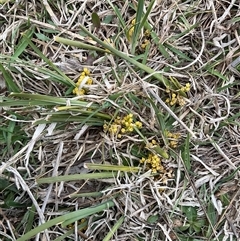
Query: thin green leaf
[177, 36]
[119, 15]
[105, 167]
[186, 153]
[77, 177]
[42, 56]
[215, 72]
[76, 215]
[140, 22]
[160, 119]
[137, 29]
[114, 229]
[79, 44]
[54, 100]
[9, 81]
[22, 44]
[212, 215]
[179, 53]
[10, 132]
[42, 37]
[88, 211]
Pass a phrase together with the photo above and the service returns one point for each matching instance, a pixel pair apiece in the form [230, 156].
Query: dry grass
[197, 42]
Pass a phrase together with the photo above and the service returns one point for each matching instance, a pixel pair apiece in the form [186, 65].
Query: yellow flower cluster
[84, 79]
[146, 35]
[146, 39]
[145, 43]
[168, 174]
[175, 97]
[173, 139]
[153, 162]
[131, 29]
[71, 226]
[122, 125]
[186, 88]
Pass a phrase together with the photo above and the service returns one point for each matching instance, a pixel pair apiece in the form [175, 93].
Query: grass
[101, 137]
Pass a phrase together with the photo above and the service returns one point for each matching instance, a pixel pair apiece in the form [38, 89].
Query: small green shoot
[96, 20]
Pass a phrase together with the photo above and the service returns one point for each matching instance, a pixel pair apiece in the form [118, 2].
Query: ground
[119, 120]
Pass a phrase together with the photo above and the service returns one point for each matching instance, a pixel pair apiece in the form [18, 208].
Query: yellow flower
[130, 32]
[154, 142]
[188, 86]
[167, 90]
[80, 79]
[173, 144]
[75, 90]
[80, 92]
[130, 129]
[89, 81]
[138, 124]
[147, 33]
[145, 43]
[173, 102]
[86, 71]
[105, 127]
[154, 170]
[123, 130]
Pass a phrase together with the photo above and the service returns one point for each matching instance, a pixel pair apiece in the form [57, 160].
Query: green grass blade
[76, 177]
[178, 52]
[68, 81]
[212, 215]
[215, 72]
[9, 81]
[160, 119]
[114, 229]
[137, 28]
[230, 177]
[177, 36]
[10, 132]
[89, 194]
[54, 100]
[145, 56]
[119, 15]
[64, 219]
[105, 167]
[90, 120]
[88, 211]
[79, 44]
[23, 44]
[186, 153]
[140, 22]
